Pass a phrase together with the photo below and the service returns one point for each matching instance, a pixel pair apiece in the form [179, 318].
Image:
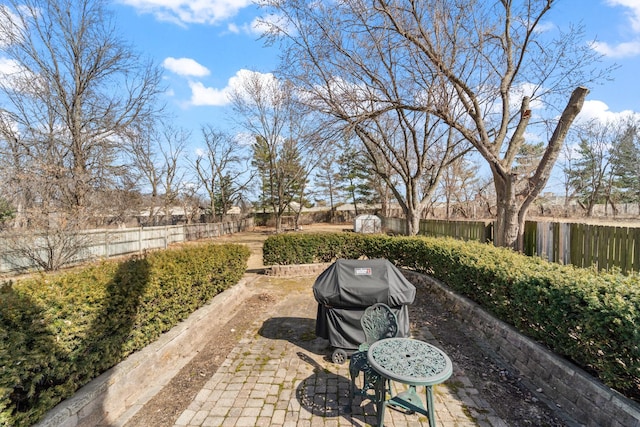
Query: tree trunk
[512, 208]
[507, 226]
[413, 223]
[278, 222]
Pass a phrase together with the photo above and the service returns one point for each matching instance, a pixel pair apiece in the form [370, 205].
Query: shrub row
[588, 317]
[58, 332]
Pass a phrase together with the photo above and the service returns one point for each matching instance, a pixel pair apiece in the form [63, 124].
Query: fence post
[166, 236]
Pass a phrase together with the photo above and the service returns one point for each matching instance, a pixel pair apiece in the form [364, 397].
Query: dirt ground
[500, 386]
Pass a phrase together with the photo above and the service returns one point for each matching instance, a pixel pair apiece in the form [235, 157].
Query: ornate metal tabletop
[410, 361]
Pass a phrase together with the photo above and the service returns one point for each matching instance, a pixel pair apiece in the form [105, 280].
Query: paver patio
[279, 375]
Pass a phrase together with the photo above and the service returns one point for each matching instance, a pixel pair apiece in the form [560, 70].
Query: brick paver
[282, 377]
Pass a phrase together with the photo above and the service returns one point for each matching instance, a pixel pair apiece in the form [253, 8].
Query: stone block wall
[555, 380]
[296, 269]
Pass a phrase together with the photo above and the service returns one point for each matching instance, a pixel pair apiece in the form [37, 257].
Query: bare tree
[190, 201]
[75, 91]
[156, 156]
[223, 171]
[594, 165]
[458, 187]
[172, 144]
[327, 180]
[350, 71]
[58, 242]
[146, 162]
[286, 147]
[478, 66]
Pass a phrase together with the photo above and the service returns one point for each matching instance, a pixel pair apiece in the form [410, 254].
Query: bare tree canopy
[75, 90]
[358, 78]
[484, 68]
[287, 141]
[223, 170]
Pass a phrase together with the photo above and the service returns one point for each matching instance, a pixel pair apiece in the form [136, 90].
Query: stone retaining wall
[113, 397]
[297, 269]
[553, 379]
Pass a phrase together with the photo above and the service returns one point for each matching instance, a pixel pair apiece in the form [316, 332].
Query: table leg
[430, 410]
[381, 399]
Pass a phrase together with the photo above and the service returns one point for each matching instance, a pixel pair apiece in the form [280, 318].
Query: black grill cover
[347, 287]
[355, 283]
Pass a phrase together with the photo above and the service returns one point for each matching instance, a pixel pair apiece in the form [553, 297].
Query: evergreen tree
[6, 211]
[528, 158]
[625, 161]
[283, 176]
[327, 179]
[355, 176]
[225, 193]
[588, 174]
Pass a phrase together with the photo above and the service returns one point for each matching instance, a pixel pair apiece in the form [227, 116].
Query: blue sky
[203, 46]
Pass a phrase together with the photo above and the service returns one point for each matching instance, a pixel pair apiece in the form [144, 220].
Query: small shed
[367, 224]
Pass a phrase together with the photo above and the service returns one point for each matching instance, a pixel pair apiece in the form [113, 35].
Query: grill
[346, 288]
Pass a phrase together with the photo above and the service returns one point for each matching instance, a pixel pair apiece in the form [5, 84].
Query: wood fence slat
[583, 245]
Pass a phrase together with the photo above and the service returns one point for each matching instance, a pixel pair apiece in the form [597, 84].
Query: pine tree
[355, 176]
[625, 161]
[283, 176]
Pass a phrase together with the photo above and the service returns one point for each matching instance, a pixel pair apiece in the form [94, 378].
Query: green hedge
[290, 249]
[588, 317]
[58, 332]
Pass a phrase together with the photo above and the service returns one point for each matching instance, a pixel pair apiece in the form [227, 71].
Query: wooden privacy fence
[582, 245]
[106, 243]
[585, 245]
[466, 230]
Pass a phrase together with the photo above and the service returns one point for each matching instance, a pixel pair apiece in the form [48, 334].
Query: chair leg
[352, 390]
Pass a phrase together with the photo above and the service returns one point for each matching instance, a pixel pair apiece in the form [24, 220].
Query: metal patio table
[412, 362]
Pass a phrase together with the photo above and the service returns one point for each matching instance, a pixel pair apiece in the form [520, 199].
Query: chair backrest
[378, 322]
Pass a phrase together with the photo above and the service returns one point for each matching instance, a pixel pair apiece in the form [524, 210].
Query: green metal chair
[378, 322]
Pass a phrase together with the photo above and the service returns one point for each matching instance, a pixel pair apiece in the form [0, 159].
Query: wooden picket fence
[583, 245]
[108, 243]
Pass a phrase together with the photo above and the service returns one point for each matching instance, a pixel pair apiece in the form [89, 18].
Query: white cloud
[241, 29]
[633, 13]
[209, 96]
[628, 48]
[11, 24]
[598, 110]
[526, 89]
[185, 67]
[620, 50]
[259, 26]
[184, 12]
[202, 95]
[545, 27]
[8, 66]
[14, 75]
